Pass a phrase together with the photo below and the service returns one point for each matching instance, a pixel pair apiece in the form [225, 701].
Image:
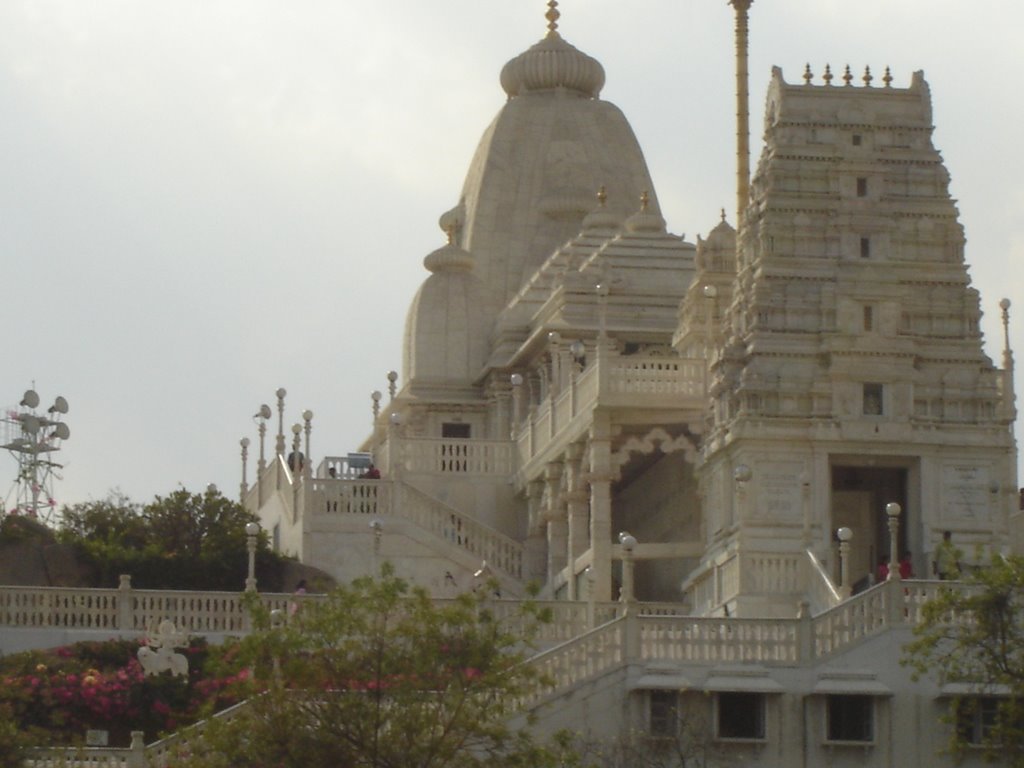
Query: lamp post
[307, 417]
[516, 379]
[844, 535]
[252, 530]
[892, 511]
[279, 445]
[602, 307]
[378, 532]
[375, 396]
[244, 488]
[262, 415]
[627, 594]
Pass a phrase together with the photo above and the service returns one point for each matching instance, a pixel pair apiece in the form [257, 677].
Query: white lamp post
[892, 511]
[844, 535]
[628, 542]
[252, 530]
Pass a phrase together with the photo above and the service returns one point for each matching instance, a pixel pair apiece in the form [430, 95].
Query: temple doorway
[859, 495]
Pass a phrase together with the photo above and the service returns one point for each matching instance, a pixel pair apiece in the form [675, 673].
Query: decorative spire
[723, 215]
[645, 198]
[602, 196]
[552, 16]
[827, 77]
[887, 78]
[742, 8]
[847, 77]
[867, 77]
[808, 75]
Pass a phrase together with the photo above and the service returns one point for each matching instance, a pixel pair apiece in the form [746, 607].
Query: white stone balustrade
[501, 552]
[473, 457]
[350, 497]
[710, 640]
[651, 634]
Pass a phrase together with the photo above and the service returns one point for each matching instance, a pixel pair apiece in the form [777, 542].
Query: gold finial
[602, 196]
[723, 215]
[827, 77]
[847, 77]
[887, 78]
[644, 199]
[867, 77]
[552, 16]
[808, 74]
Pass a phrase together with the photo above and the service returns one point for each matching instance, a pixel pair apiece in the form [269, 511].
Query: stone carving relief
[158, 654]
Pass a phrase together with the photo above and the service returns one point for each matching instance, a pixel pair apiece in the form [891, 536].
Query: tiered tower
[852, 373]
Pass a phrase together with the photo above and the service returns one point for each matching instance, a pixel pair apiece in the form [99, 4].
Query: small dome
[447, 331]
[718, 252]
[645, 220]
[449, 258]
[601, 219]
[553, 63]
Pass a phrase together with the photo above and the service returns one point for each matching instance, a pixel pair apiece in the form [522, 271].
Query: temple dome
[447, 328]
[553, 63]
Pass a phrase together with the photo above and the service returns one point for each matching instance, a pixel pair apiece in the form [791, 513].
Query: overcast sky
[204, 200]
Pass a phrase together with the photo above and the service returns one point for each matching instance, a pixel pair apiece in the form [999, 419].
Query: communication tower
[33, 438]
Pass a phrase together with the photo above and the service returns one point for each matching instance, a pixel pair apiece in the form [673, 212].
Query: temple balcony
[658, 389]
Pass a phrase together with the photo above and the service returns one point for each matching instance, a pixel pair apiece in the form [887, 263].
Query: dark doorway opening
[859, 497]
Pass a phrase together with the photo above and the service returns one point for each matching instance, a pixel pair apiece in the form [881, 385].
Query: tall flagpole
[742, 110]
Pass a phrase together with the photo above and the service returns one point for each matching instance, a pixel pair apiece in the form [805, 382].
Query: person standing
[947, 559]
[906, 566]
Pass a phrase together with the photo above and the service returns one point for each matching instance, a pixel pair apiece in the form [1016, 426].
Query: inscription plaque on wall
[965, 494]
[778, 490]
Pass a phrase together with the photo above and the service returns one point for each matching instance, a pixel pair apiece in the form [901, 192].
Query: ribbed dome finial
[553, 64]
[552, 16]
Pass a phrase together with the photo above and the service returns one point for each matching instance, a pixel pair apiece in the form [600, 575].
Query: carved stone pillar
[536, 543]
[601, 505]
[558, 526]
[558, 535]
[577, 510]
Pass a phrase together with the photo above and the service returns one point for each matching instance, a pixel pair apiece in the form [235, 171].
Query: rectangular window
[455, 429]
[976, 719]
[862, 187]
[865, 247]
[856, 139]
[663, 714]
[740, 716]
[850, 717]
[869, 318]
[873, 394]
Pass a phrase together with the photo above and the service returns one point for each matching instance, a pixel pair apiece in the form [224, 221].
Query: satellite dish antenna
[30, 399]
[30, 423]
[60, 405]
[61, 431]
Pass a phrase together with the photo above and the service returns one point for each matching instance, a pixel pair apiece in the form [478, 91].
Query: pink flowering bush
[65, 691]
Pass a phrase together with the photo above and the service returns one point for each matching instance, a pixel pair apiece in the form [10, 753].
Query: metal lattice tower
[33, 438]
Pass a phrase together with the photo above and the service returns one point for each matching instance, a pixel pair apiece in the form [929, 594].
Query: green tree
[381, 675]
[973, 635]
[180, 541]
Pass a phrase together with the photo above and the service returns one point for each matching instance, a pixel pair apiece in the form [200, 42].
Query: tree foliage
[381, 675]
[181, 541]
[973, 635]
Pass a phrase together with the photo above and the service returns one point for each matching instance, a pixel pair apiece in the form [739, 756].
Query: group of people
[905, 566]
[946, 565]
